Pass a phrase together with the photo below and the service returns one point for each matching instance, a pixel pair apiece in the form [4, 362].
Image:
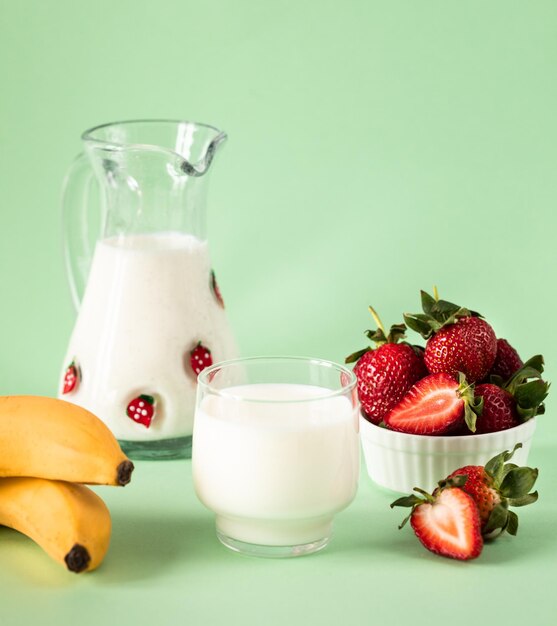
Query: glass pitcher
[150, 313]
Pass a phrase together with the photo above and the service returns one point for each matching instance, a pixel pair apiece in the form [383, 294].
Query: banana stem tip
[78, 558]
[124, 472]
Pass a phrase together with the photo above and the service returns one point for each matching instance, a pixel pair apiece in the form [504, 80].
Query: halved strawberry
[435, 405]
[142, 410]
[447, 522]
[72, 378]
[200, 358]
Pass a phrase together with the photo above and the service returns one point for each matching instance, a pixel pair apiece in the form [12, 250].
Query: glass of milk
[276, 451]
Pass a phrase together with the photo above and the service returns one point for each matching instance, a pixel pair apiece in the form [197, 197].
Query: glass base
[273, 552]
[159, 450]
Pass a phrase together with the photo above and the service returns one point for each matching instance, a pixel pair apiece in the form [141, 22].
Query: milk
[275, 473]
[147, 304]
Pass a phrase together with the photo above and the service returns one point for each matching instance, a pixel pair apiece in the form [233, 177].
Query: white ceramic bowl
[400, 461]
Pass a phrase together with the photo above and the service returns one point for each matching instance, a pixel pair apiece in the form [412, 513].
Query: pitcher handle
[78, 238]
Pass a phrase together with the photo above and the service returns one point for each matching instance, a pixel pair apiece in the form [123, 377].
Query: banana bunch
[48, 448]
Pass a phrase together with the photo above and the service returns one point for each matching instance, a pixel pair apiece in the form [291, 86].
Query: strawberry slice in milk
[142, 410]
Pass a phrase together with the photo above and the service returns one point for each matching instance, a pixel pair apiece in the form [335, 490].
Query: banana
[70, 522]
[50, 438]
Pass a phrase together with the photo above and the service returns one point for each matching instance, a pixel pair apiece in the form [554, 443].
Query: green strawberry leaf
[530, 395]
[526, 372]
[518, 482]
[533, 368]
[421, 324]
[403, 523]
[523, 374]
[436, 314]
[396, 333]
[529, 498]
[443, 310]
[470, 417]
[520, 377]
[428, 302]
[507, 468]
[410, 500]
[495, 467]
[355, 356]
[377, 336]
[512, 523]
[473, 407]
[526, 414]
[536, 362]
[447, 313]
[497, 519]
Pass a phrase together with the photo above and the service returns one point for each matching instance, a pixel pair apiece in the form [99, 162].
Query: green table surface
[166, 566]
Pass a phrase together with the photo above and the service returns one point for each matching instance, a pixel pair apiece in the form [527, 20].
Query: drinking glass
[276, 451]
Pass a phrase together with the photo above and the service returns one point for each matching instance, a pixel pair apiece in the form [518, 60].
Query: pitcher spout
[194, 144]
[202, 166]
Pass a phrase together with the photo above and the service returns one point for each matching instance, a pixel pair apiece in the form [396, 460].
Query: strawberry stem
[472, 406]
[462, 390]
[435, 293]
[426, 495]
[377, 320]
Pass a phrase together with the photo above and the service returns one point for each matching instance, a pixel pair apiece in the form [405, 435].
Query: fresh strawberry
[459, 340]
[385, 373]
[142, 410]
[72, 378]
[479, 485]
[494, 488]
[509, 404]
[468, 346]
[215, 289]
[507, 361]
[499, 409]
[200, 358]
[447, 522]
[435, 405]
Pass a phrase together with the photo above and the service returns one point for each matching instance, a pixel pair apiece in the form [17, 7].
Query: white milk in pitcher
[150, 301]
[275, 473]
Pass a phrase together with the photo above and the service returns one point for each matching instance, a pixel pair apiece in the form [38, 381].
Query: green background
[375, 148]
